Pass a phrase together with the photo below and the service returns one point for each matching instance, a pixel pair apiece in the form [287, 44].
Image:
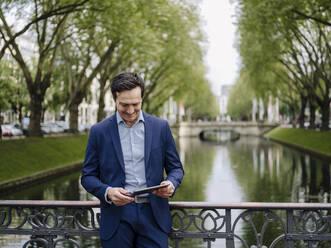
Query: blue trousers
[137, 229]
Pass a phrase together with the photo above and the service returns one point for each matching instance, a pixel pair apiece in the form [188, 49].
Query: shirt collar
[120, 119]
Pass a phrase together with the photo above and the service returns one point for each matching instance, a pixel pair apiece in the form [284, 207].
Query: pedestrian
[126, 152]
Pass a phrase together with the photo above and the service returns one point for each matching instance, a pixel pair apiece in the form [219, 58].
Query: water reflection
[250, 169]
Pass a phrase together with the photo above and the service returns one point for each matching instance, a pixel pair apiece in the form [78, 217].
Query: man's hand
[116, 195]
[165, 192]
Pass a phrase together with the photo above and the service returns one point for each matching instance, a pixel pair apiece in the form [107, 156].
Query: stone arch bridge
[194, 129]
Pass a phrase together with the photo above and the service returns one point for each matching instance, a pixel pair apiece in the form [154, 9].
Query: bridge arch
[194, 129]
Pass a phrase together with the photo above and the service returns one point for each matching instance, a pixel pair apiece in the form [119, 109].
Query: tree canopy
[285, 47]
[77, 42]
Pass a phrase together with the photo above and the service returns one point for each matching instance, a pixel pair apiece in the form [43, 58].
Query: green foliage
[25, 156]
[6, 87]
[176, 68]
[94, 40]
[285, 49]
[239, 105]
[13, 92]
[198, 98]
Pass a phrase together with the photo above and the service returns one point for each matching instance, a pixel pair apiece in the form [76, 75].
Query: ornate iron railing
[195, 224]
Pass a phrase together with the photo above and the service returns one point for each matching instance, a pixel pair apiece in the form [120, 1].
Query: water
[250, 169]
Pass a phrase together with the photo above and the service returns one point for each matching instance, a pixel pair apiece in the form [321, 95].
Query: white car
[10, 130]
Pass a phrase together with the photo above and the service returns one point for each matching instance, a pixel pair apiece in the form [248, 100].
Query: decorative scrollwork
[312, 222]
[59, 242]
[40, 218]
[55, 226]
[269, 217]
[211, 217]
[40, 242]
[207, 220]
[268, 228]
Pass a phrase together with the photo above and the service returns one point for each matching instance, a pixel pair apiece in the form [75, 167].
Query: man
[126, 152]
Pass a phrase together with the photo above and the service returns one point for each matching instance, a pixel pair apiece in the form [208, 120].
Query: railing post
[289, 243]
[229, 235]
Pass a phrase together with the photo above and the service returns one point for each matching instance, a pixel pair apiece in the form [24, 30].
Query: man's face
[128, 105]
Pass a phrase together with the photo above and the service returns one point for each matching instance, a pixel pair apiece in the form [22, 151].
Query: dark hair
[126, 81]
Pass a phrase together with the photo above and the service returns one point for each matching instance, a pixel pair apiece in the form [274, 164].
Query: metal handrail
[176, 205]
[51, 222]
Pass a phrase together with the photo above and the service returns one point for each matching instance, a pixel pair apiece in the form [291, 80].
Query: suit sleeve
[173, 166]
[90, 179]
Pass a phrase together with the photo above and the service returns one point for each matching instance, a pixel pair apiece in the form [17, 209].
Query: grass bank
[315, 141]
[24, 157]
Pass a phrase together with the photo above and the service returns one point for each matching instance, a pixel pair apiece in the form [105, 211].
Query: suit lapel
[115, 137]
[148, 137]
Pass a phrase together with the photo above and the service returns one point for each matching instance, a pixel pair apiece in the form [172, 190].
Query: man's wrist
[171, 184]
[107, 199]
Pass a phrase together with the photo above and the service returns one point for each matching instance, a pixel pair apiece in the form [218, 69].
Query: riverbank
[32, 160]
[26, 160]
[315, 142]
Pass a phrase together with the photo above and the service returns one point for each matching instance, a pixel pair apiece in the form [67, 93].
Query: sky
[222, 58]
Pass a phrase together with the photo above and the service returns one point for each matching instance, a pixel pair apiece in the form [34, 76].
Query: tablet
[147, 190]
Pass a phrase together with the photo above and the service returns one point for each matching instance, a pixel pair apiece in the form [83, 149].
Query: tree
[179, 54]
[100, 44]
[239, 105]
[8, 5]
[46, 33]
[274, 39]
[163, 45]
[7, 87]
[13, 93]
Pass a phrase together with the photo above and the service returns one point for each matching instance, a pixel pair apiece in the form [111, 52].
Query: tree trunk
[325, 111]
[101, 108]
[20, 112]
[312, 116]
[73, 119]
[294, 118]
[35, 115]
[43, 115]
[301, 118]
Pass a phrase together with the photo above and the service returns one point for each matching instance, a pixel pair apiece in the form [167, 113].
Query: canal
[250, 169]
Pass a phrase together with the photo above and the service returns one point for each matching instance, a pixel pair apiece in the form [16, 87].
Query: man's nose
[130, 109]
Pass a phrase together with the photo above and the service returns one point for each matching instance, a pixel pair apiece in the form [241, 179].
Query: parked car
[16, 129]
[6, 131]
[63, 125]
[45, 129]
[10, 130]
[55, 128]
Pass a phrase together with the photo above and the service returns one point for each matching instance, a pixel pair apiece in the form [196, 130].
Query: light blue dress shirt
[133, 149]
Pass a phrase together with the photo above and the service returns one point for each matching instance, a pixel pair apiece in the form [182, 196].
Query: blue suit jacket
[104, 167]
